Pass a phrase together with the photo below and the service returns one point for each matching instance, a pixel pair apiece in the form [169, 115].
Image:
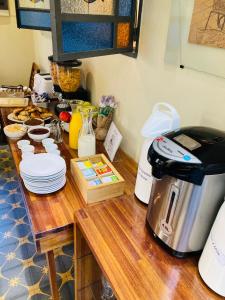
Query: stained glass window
[33, 14]
[85, 28]
[79, 36]
[125, 7]
[35, 4]
[96, 7]
[35, 19]
[123, 35]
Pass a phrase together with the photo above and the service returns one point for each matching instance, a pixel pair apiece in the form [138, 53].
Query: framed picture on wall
[4, 8]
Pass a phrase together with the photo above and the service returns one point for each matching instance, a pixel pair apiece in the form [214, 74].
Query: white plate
[10, 118]
[45, 189]
[42, 192]
[46, 184]
[43, 178]
[42, 165]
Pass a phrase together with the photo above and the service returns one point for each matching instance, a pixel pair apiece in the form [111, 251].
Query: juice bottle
[75, 126]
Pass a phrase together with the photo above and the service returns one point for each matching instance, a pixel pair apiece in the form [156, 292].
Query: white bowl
[32, 126]
[54, 151]
[15, 131]
[22, 143]
[36, 136]
[51, 147]
[48, 141]
[27, 148]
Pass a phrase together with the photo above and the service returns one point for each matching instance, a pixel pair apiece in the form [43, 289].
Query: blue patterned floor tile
[6, 226]
[40, 297]
[30, 238]
[2, 260]
[31, 275]
[25, 251]
[8, 245]
[2, 181]
[68, 249]
[3, 286]
[11, 185]
[3, 194]
[67, 290]
[12, 268]
[45, 286]
[14, 198]
[18, 292]
[24, 272]
[5, 206]
[40, 260]
[17, 213]
[21, 230]
[26, 220]
[63, 263]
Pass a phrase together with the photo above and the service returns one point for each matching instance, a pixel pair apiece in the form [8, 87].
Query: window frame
[56, 23]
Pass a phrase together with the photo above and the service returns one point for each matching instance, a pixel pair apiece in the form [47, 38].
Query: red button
[159, 139]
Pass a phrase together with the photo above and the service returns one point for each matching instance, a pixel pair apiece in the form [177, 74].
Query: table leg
[52, 275]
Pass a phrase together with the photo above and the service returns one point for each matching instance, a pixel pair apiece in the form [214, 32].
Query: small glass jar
[56, 130]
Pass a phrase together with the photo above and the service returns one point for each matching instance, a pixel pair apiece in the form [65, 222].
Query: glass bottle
[86, 141]
[75, 126]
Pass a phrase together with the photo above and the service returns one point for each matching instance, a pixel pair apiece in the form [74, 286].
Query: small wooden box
[100, 192]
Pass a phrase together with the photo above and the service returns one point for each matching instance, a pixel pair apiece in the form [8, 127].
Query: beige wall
[16, 51]
[139, 83]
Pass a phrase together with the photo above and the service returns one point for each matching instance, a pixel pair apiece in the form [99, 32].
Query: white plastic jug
[164, 118]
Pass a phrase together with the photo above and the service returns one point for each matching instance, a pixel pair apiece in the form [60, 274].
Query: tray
[92, 194]
[13, 102]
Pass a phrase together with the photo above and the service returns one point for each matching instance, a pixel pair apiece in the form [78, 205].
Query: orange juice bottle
[75, 126]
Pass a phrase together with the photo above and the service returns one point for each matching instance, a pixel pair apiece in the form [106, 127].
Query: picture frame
[112, 141]
[4, 8]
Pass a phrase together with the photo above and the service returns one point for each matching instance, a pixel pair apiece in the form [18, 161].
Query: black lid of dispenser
[188, 154]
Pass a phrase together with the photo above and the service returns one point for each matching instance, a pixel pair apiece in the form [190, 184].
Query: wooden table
[112, 238]
[52, 216]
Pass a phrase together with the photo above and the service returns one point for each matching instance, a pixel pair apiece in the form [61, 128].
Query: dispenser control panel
[167, 148]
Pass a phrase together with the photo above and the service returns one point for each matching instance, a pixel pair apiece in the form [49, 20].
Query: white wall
[139, 83]
[16, 51]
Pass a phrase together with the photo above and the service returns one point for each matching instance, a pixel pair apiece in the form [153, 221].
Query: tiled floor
[23, 272]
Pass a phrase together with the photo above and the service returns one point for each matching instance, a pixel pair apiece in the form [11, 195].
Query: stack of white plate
[43, 173]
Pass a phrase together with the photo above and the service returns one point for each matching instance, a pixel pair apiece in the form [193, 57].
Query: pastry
[24, 113]
[22, 118]
[46, 115]
[35, 115]
[17, 111]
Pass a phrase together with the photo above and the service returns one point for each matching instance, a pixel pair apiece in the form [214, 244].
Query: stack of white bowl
[43, 173]
[50, 146]
[26, 149]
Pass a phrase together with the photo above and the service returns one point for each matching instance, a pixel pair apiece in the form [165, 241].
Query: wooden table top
[137, 267]
[55, 212]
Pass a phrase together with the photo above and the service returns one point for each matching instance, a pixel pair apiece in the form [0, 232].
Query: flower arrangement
[107, 104]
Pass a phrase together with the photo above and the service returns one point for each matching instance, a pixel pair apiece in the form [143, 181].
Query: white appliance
[43, 84]
[212, 261]
[164, 118]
